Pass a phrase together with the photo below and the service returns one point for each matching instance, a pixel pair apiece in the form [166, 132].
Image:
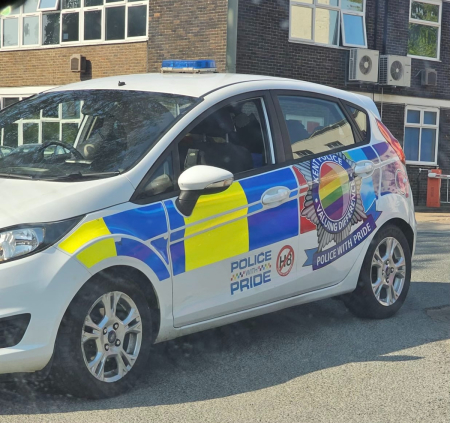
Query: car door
[236, 250]
[338, 181]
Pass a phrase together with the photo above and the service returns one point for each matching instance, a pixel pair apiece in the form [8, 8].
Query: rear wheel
[385, 276]
[104, 340]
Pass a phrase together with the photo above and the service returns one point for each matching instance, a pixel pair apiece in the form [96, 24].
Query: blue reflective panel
[429, 118]
[354, 30]
[413, 116]
[48, 4]
[427, 145]
[411, 144]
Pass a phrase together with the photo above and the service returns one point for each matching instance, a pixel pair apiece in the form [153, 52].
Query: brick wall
[51, 66]
[188, 29]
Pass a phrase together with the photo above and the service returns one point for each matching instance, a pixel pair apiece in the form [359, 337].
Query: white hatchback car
[164, 204]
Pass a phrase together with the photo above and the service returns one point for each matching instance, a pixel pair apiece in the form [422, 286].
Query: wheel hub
[112, 336]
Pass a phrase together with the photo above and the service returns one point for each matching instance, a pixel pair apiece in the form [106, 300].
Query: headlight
[22, 240]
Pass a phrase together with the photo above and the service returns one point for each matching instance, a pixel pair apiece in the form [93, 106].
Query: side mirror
[200, 180]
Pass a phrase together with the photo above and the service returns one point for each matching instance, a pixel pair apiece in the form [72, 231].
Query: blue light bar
[188, 66]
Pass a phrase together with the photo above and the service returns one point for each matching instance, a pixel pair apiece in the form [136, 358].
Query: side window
[360, 118]
[315, 125]
[161, 181]
[232, 138]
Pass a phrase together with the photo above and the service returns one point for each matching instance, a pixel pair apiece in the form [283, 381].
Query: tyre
[385, 276]
[103, 341]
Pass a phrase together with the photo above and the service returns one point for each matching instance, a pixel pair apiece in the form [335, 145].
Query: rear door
[336, 169]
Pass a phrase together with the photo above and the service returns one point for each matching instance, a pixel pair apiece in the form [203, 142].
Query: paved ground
[312, 363]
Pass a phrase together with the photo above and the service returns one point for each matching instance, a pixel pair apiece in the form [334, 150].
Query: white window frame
[341, 30]
[421, 126]
[428, 23]
[81, 10]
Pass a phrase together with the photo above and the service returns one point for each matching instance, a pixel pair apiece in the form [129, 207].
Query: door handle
[275, 196]
[364, 168]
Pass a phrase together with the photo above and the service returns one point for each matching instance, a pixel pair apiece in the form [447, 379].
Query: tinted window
[361, 119]
[232, 138]
[315, 125]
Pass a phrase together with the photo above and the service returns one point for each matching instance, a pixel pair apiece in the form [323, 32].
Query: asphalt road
[312, 363]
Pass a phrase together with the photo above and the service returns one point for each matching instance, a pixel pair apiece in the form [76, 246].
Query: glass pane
[50, 131]
[137, 19]
[354, 30]
[71, 4]
[161, 181]
[413, 116]
[10, 32]
[51, 112]
[360, 118]
[327, 2]
[71, 110]
[315, 125]
[423, 40]
[70, 27]
[93, 25]
[354, 5]
[429, 118]
[427, 145]
[411, 144]
[48, 4]
[425, 11]
[11, 135]
[8, 101]
[30, 133]
[112, 1]
[89, 3]
[115, 23]
[14, 11]
[30, 6]
[50, 28]
[31, 30]
[327, 26]
[69, 132]
[301, 22]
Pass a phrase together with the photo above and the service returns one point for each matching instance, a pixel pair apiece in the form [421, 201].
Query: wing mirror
[200, 180]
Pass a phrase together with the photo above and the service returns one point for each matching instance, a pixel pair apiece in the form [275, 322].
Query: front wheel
[104, 340]
[385, 276]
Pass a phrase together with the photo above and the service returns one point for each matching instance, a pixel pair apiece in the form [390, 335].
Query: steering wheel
[72, 149]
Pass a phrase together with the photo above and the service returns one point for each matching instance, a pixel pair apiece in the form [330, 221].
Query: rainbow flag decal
[333, 203]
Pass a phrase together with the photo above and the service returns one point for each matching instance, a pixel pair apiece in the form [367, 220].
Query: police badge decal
[333, 203]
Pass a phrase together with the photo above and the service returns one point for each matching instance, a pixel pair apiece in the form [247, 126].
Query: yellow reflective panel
[85, 233]
[97, 252]
[217, 242]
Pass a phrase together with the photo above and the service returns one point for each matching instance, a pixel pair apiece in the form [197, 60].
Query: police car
[159, 205]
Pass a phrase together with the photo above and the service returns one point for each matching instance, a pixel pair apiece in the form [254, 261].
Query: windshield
[84, 134]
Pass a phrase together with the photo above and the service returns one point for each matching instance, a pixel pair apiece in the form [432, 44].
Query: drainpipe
[232, 23]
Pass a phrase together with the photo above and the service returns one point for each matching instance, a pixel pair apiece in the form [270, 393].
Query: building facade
[301, 39]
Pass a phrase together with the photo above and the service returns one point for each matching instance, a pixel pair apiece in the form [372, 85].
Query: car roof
[199, 85]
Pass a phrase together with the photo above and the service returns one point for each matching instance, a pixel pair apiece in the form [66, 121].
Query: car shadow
[258, 353]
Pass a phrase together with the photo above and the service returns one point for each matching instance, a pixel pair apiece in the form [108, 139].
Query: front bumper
[42, 285]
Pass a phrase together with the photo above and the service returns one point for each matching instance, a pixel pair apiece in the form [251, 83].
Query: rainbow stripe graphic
[334, 190]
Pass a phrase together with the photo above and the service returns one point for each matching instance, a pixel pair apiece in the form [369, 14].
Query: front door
[237, 249]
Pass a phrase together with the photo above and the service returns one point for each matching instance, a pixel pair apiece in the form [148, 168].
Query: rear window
[361, 119]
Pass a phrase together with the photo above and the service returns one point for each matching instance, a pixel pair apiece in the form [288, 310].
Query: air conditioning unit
[363, 65]
[395, 70]
[78, 63]
[429, 77]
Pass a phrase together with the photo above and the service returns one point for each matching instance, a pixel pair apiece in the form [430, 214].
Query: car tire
[100, 354]
[384, 278]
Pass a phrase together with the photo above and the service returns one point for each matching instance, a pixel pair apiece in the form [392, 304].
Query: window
[361, 119]
[67, 22]
[421, 132]
[161, 181]
[315, 125]
[328, 22]
[425, 29]
[234, 138]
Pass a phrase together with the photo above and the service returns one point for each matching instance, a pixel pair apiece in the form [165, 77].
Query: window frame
[274, 139]
[427, 23]
[81, 11]
[359, 139]
[421, 126]
[341, 29]
[48, 9]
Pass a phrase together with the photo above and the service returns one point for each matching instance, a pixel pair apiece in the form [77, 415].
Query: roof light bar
[188, 66]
